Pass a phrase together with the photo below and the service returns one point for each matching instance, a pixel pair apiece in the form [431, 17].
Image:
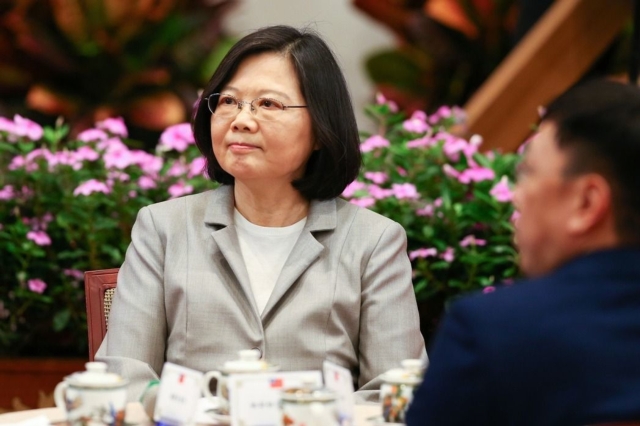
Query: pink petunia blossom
[115, 126]
[145, 182]
[197, 167]
[7, 125]
[177, 137]
[379, 193]
[92, 135]
[352, 188]
[405, 191]
[472, 240]
[373, 142]
[501, 191]
[73, 273]
[37, 285]
[381, 100]
[365, 202]
[7, 193]
[90, 186]
[423, 253]
[448, 255]
[177, 169]
[453, 146]
[179, 189]
[417, 123]
[41, 238]
[376, 177]
[476, 174]
[86, 153]
[28, 128]
[422, 142]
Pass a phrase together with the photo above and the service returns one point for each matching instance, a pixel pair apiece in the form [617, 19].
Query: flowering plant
[453, 201]
[67, 206]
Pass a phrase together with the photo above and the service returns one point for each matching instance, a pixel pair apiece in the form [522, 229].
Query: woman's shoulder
[175, 208]
[362, 217]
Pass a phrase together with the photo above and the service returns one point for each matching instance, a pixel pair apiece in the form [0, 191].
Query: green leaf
[61, 319]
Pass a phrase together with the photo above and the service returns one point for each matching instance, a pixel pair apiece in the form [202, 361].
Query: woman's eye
[270, 104]
[226, 100]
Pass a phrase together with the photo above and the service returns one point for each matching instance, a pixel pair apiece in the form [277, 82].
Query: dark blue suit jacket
[559, 350]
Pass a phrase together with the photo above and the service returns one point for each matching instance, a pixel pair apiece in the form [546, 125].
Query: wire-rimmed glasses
[224, 105]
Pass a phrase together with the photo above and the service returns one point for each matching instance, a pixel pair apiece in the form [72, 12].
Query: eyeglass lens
[224, 105]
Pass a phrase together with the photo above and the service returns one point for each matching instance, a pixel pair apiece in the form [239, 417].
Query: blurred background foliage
[448, 48]
[87, 60]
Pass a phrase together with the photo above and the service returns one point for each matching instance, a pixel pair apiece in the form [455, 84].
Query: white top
[264, 250]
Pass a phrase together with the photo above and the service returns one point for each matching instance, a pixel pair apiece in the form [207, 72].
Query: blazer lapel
[322, 217]
[219, 220]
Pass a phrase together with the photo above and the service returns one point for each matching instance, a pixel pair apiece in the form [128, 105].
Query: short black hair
[598, 125]
[337, 163]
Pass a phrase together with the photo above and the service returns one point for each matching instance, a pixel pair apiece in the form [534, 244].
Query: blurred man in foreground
[562, 348]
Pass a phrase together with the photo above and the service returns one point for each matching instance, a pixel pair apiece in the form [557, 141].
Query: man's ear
[592, 203]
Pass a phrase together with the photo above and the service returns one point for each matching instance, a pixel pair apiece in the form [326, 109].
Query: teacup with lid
[248, 362]
[396, 392]
[309, 406]
[93, 397]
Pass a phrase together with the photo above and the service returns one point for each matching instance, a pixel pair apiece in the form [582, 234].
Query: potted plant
[67, 205]
[453, 201]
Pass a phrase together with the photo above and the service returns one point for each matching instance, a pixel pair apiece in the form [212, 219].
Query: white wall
[351, 34]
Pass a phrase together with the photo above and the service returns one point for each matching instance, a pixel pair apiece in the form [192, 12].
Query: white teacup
[396, 392]
[93, 397]
[249, 362]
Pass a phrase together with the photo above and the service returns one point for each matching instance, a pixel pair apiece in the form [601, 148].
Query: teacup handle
[58, 395]
[207, 379]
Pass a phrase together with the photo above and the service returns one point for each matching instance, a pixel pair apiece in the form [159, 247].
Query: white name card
[255, 398]
[340, 380]
[180, 389]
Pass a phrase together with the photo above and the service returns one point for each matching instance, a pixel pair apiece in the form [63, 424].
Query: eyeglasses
[223, 105]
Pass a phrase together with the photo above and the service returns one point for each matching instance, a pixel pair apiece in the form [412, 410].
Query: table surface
[135, 414]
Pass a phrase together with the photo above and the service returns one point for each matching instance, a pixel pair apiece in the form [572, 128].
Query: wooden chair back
[100, 287]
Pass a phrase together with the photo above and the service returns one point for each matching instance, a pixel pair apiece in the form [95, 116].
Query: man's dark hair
[598, 125]
[337, 163]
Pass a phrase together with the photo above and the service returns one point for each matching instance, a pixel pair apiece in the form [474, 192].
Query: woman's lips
[241, 147]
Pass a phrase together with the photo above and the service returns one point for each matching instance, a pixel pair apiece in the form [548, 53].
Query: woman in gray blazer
[272, 259]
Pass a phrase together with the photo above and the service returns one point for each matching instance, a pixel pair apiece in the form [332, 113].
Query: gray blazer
[184, 296]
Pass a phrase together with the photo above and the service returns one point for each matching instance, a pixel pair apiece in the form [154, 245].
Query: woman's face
[253, 149]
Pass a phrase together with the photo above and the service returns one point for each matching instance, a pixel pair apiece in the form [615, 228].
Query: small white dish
[207, 413]
[218, 417]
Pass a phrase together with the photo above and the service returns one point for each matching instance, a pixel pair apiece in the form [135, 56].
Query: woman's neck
[273, 206]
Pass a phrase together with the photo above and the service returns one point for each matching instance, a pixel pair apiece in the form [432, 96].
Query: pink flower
[488, 289]
[115, 126]
[7, 125]
[379, 193]
[145, 182]
[17, 162]
[73, 273]
[423, 253]
[422, 142]
[501, 191]
[37, 285]
[472, 240]
[177, 137]
[41, 238]
[427, 210]
[450, 171]
[86, 153]
[404, 191]
[417, 123]
[28, 128]
[7, 193]
[177, 169]
[352, 188]
[196, 168]
[453, 145]
[179, 189]
[90, 186]
[402, 172]
[92, 135]
[448, 255]
[376, 177]
[363, 202]
[373, 142]
[381, 100]
[476, 174]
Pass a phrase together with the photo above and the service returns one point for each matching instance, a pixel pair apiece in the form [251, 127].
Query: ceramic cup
[396, 392]
[92, 397]
[309, 407]
[248, 362]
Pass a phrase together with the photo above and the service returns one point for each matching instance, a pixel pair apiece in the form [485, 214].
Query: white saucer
[379, 421]
[207, 413]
